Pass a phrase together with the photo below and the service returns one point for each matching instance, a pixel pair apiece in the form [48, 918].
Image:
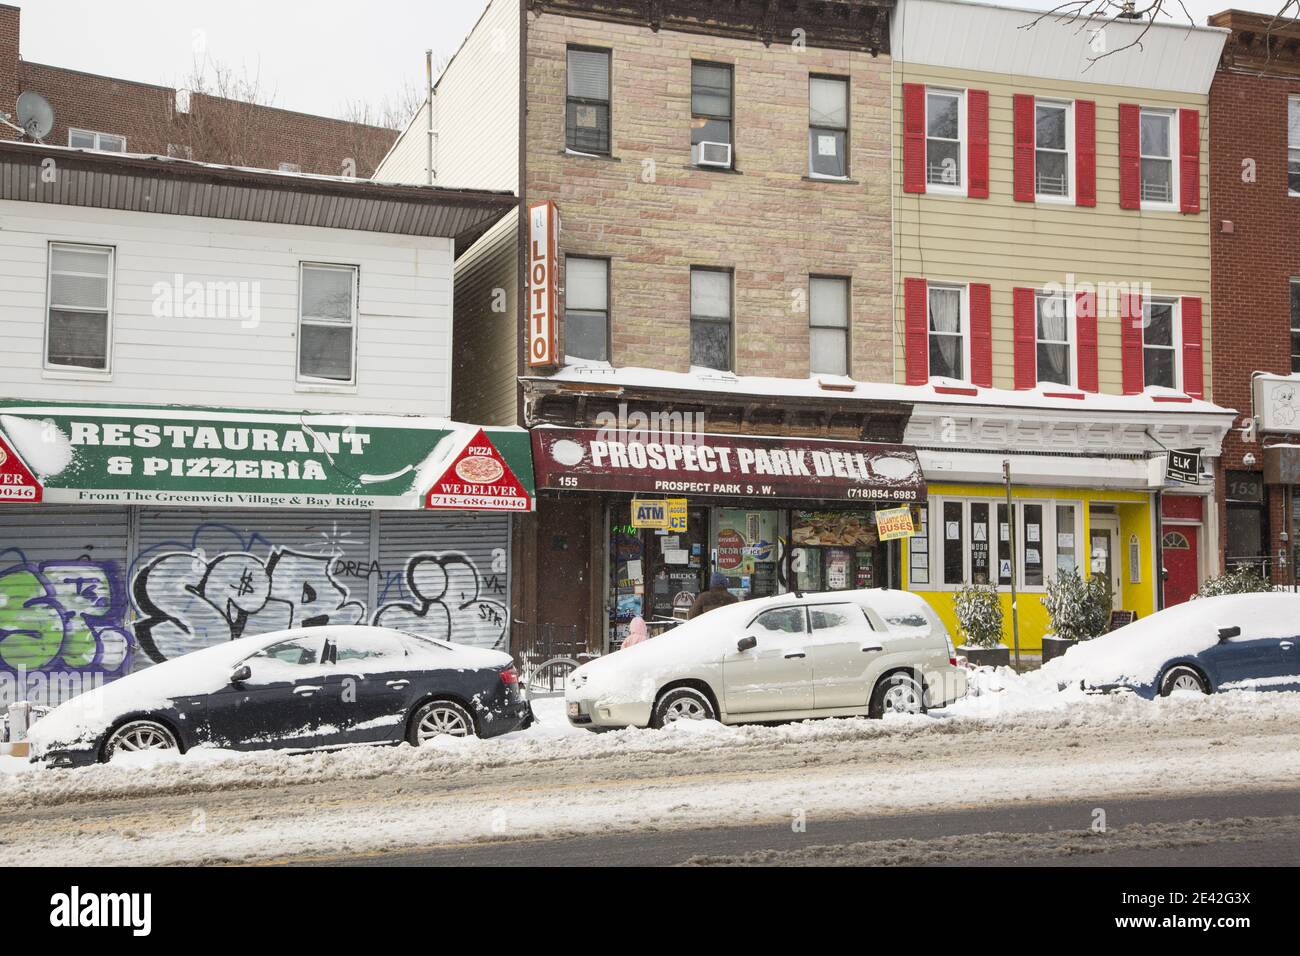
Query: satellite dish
[35, 114]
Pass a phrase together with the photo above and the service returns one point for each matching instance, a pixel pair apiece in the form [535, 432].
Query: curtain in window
[945, 319]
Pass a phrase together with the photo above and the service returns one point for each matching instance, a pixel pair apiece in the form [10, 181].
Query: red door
[1181, 561]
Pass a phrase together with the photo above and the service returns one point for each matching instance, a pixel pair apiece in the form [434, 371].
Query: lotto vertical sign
[543, 301]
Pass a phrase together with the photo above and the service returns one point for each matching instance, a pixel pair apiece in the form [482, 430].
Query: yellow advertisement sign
[892, 523]
[661, 514]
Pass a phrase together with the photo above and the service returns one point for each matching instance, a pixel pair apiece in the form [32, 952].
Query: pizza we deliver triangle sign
[478, 479]
[17, 483]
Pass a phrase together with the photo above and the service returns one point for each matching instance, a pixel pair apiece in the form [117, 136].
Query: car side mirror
[1227, 633]
[746, 643]
[240, 674]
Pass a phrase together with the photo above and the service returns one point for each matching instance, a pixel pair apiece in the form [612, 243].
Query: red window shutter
[1023, 115]
[1085, 326]
[913, 137]
[1189, 153]
[981, 335]
[1130, 158]
[1130, 320]
[1085, 153]
[916, 336]
[1193, 367]
[1026, 339]
[977, 127]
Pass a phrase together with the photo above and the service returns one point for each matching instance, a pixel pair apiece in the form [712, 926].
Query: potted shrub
[1241, 580]
[1078, 609]
[979, 620]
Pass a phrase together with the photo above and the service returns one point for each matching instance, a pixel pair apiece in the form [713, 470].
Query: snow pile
[41, 444]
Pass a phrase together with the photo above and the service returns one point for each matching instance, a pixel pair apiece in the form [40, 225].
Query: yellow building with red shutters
[1051, 301]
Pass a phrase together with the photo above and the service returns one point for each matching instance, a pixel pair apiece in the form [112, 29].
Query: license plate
[574, 709]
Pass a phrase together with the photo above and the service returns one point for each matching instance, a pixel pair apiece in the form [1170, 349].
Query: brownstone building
[103, 112]
[708, 326]
[1255, 249]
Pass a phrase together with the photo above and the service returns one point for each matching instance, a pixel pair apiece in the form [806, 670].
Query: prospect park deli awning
[729, 466]
[216, 457]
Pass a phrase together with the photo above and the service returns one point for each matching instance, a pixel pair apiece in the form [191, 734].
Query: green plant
[1079, 609]
[1242, 580]
[979, 615]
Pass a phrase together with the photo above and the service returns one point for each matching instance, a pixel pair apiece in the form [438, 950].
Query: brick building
[1255, 244]
[716, 182]
[103, 112]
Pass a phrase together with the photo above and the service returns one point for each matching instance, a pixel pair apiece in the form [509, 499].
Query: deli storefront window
[837, 550]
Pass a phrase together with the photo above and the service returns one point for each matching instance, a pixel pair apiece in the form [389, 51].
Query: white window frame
[964, 291]
[935, 541]
[1174, 147]
[79, 371]
[1071, 336]
[1176, 338]
[1068, 107]
[958, 189]
[73, 131]
[846, 328]
[1293, 147]
[309, 381]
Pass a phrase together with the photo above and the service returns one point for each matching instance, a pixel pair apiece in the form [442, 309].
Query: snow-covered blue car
[1231, 642]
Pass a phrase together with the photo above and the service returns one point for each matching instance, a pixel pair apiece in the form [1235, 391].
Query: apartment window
[1158, 348]
[947, 333]
[1157, 149]
[586, 120]
[943, 145]
[1295, 325]
[89, 139]
[828, 127]
[327, 321]
[711, 111]
[290, 168]
[1051, 149]
[711, 318]
[1052, 335]
[586, 308]
[1293, 145]
[828, 320]
[80, 298]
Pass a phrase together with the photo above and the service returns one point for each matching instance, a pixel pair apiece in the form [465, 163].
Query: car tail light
[510, 675]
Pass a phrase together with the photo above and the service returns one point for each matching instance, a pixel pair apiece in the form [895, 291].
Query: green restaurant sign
[217, 457]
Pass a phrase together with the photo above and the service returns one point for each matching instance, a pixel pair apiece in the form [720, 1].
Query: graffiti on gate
[187, 601]
[191, 594]
[64, 615]
[446, 601]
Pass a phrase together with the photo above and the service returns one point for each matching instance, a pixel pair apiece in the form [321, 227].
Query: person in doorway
[636, 632]
[716, 596]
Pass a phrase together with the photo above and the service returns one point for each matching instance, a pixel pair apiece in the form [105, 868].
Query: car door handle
[306, 690]
[872, 648]
[795, 654]
[398, 683]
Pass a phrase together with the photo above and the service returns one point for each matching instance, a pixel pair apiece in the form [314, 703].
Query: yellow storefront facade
[1052, 302]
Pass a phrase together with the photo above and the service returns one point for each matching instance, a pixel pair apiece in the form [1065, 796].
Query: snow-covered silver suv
[835, 654]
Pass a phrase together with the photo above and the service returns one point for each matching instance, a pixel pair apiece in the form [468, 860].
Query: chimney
[8, 65]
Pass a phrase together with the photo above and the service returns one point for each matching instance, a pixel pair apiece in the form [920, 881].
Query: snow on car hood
[89, 714]
[1135, 653]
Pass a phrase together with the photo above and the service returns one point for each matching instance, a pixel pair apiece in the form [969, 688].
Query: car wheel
[137, 735]
[682, 703]
[897, 694]
[1182, 678]
[440, 718]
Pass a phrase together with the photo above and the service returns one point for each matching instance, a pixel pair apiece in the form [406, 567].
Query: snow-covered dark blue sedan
[305, 689]
[1231, 642]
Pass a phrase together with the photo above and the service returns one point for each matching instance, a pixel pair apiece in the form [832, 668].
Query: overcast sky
[313, 56]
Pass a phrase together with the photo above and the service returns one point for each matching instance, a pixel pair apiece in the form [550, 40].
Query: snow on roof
[940, 392]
